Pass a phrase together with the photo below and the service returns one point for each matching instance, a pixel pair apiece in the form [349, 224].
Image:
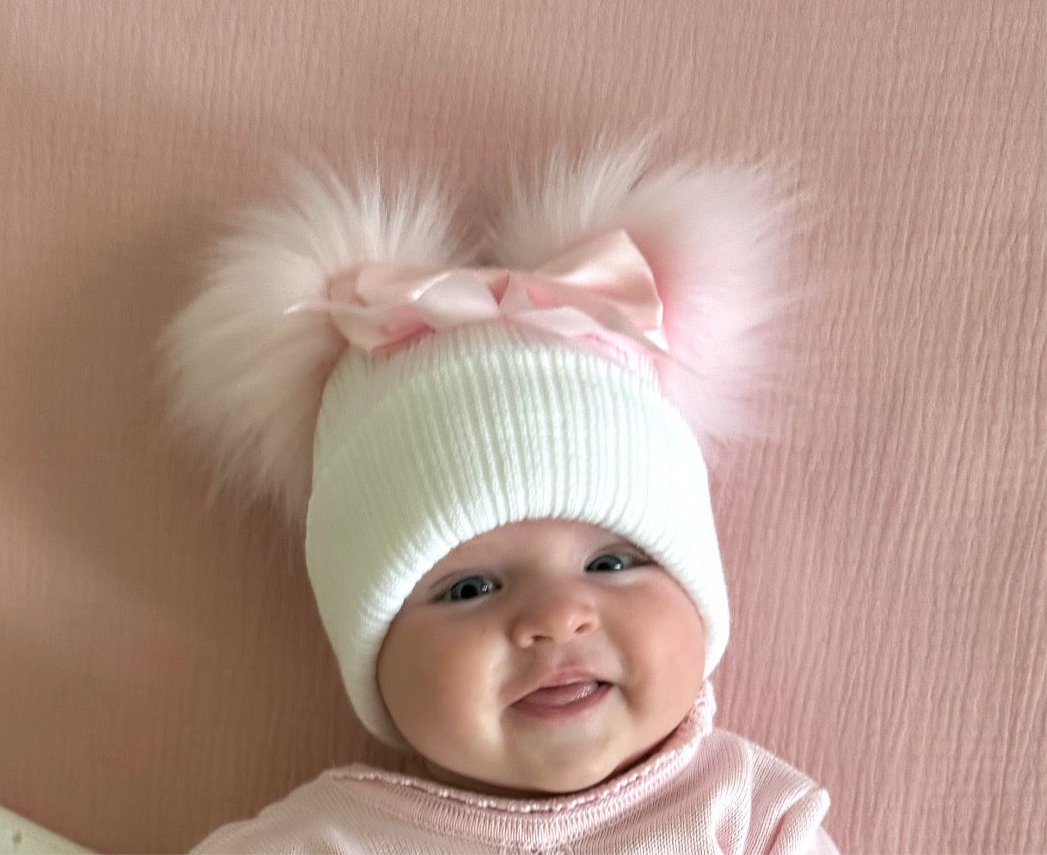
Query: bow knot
[603, 288]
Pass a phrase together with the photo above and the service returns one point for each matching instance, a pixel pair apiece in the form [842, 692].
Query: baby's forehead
[532, 537]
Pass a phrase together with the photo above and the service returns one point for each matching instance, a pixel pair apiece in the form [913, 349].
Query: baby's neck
[441, 775]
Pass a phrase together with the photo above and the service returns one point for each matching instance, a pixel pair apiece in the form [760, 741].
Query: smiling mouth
[564, 700]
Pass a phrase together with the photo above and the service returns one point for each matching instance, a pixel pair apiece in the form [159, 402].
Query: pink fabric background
[162, 667]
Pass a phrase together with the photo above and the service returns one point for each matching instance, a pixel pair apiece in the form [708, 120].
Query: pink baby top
[702, 791]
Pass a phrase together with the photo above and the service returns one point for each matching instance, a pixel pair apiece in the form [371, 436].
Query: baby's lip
[562, 697]
[560, 686]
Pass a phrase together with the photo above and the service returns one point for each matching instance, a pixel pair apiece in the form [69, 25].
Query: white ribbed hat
[467, 431]
[390, 459]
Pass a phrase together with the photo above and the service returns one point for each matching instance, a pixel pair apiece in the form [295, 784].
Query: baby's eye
[470, 587]
[612, 562]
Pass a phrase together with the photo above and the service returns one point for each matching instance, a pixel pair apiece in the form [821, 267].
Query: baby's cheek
[449, 703]
[455, 679]
[675, 634]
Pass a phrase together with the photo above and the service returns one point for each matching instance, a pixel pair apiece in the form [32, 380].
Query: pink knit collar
[445, 809]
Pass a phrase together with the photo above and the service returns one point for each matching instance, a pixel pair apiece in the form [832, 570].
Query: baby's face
[542, 657]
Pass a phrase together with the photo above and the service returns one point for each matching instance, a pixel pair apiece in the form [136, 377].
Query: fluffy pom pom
[245, 379]
[714, 239]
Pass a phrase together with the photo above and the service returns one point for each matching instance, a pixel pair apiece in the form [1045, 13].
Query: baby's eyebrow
[428, 586]
[623, 544]
[443, 578]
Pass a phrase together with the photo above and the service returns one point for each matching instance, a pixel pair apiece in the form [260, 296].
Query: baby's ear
[714, 239]
[244, 376]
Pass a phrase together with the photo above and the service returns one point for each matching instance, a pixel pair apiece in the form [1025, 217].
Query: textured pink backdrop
[162, 668]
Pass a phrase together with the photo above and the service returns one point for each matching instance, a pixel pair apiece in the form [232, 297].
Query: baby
[501, 479]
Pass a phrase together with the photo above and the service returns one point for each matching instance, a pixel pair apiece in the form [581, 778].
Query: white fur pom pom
[713, 239]
[245, 379]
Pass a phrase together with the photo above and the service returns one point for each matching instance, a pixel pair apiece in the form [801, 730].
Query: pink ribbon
[602, 288]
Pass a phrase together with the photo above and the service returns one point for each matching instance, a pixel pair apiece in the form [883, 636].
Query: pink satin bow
[602, 288]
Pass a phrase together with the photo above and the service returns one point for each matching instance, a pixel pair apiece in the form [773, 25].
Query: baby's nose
[557, 616]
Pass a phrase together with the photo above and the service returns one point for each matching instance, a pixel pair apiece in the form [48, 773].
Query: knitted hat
[341, 359]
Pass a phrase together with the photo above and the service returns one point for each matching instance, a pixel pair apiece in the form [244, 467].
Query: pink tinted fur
[714, 238]
[244, 379]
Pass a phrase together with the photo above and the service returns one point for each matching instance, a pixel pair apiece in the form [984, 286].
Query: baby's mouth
[562, 700]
